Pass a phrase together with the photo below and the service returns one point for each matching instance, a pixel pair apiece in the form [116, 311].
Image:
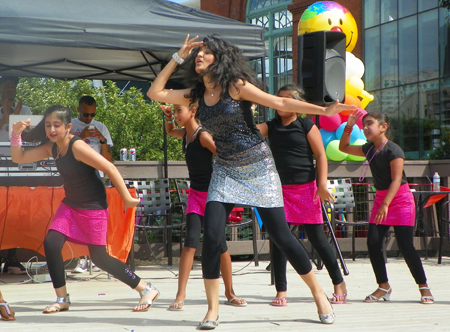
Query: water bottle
[436, 182]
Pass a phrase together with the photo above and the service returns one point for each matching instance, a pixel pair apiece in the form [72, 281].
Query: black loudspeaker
[321, 66]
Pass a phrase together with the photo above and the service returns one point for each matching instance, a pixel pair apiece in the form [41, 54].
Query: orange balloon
[350, 100]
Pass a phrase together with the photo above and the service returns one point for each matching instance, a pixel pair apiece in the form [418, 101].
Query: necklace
[190, 138]
[365, 166]
[59, 151]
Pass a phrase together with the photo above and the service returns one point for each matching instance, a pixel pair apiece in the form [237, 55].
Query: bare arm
[157, 90]
[396, 176]
[18, 155]
[315, 141]
[251, 93]
[344, 143]
[207, 141]
[171, 129]
[84, 153]
[264, 129]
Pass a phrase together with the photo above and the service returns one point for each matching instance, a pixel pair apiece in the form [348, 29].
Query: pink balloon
[330, 123]
[344, 118]
[359, 122]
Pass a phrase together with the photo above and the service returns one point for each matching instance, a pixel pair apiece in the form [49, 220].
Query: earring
[192, 115]
[67, 133]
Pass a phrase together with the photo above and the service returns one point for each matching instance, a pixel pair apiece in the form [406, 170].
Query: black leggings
[320, 243]
[274, 220]
[53, 244]
[194, 225]
[404, 238]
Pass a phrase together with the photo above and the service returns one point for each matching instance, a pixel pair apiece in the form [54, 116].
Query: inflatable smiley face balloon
[329, 15]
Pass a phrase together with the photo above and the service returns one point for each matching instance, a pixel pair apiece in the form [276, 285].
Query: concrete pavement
[102, 304]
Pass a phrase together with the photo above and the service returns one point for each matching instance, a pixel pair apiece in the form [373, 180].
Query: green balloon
[350, 157]
[333, 152]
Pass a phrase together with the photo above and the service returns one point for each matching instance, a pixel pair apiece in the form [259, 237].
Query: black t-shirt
[199, 163]
[291, 150]
[83, 186]
[380, 164]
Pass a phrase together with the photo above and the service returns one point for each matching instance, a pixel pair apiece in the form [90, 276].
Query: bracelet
[16, 140]
[103, 142]
[173, 120]
[178, 59]
[348, 130]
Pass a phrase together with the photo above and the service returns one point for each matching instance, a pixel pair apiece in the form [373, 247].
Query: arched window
[274, 17]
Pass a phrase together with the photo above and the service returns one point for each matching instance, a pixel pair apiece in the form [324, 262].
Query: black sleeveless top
[83, 186]
[199, 163]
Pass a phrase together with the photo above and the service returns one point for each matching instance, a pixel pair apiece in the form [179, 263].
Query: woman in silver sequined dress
[224, 88]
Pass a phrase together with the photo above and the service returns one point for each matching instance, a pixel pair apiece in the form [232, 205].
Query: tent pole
[165, 170]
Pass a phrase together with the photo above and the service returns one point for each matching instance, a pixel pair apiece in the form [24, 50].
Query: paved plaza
[102, 304]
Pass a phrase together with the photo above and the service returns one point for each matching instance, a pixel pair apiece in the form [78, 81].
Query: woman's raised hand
[354, 117]
[337, 107]
[20, 126]
[188, 46]
[167, 110]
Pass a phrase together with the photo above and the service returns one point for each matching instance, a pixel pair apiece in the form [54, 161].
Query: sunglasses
[86, 115]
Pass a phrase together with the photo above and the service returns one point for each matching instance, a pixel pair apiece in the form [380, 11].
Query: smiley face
[330, 16]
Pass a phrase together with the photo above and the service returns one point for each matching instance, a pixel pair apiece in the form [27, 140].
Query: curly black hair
[229, 67]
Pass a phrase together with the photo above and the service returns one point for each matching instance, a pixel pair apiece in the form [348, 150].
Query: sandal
[279, 302]
[237, 302]
[149, 304]
[339, 299]
[423, 298]
[385, 297]
[176, 306]
[59, 300]
[6, 312]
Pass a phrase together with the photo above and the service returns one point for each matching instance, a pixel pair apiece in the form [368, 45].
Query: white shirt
[4, 131]
[78, 126]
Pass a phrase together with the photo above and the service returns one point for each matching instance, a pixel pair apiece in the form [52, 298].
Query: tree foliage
[444, 3]
[132, 122]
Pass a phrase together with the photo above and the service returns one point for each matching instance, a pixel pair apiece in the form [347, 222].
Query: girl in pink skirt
[199, 148]
[83, 214]
[393, 205]
[294, 142]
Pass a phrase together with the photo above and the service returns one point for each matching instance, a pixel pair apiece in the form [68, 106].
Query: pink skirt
[401, 211]
[81, 226]
[299, 204]
[196, 202]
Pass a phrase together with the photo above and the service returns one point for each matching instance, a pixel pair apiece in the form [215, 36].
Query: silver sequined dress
[244, 171]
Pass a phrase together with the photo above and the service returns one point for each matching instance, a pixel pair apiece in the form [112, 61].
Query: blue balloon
[327, 136]
[353, 136]
[361, 135]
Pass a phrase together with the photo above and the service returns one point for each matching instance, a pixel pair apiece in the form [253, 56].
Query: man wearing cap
[9, 105]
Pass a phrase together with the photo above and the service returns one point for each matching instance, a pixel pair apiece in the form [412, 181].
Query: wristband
[16, 140]
[177, 58]
[103, 142]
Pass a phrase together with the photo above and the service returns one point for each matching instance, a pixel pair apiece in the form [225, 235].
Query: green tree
[132, 122]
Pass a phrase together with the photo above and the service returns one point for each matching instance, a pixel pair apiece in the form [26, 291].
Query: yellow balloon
[354, 86]
[329, 16]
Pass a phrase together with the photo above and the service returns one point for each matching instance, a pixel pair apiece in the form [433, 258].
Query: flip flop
[6, 312]
[337, 299]
[235, 301]
[175, 306]
[279, 302]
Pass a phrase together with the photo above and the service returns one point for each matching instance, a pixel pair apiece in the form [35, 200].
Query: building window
[274, 17]
[407, 69]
